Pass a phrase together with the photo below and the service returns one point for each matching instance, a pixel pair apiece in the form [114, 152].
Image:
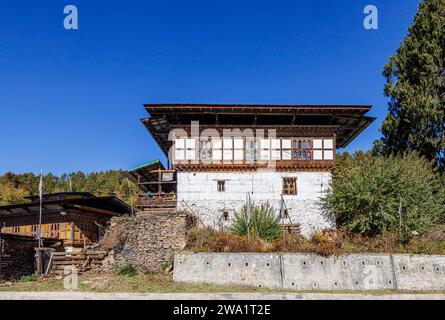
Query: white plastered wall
[197, 192]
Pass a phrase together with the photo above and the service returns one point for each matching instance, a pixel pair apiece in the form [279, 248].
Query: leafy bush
[29, 277]
[124, 270]
[366, 193]
[264, 223]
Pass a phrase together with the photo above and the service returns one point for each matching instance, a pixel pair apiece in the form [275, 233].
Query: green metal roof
[144, 165]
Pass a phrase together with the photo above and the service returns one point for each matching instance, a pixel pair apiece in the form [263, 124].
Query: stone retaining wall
[299, 271]
[146, 241]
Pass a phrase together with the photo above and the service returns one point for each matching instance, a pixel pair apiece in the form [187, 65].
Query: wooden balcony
[156, 200]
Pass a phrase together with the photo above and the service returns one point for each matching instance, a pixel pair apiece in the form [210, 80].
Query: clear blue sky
[72, 100]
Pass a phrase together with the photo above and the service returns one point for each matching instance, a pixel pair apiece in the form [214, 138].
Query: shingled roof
[348, 120]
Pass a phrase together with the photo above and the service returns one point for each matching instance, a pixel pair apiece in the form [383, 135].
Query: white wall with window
[208, 194]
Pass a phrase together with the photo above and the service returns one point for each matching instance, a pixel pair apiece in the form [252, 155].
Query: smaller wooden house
[76, 219]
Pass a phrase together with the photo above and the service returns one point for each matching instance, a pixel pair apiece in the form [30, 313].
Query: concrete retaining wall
[313, 272]
[249, 269]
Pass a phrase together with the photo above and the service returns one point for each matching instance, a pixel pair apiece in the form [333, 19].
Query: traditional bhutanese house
[226, 155]
[76, 219]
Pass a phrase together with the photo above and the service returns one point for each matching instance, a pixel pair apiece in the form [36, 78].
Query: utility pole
[40, 208]
[400, 217]
[248, 215]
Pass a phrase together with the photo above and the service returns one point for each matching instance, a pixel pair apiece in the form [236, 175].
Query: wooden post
[72, 233]
[1, 253]
[38, 260]
[139, 201]
[400, 217]
[159, 180]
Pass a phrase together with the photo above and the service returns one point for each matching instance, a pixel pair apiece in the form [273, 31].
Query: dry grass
[323, 243]
[157, 283]
[109, 282]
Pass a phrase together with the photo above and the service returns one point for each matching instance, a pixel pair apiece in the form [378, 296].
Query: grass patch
[124, 270]
[28, 277]
[158, 283]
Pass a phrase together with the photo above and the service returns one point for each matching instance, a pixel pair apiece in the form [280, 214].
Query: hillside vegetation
[13, 187]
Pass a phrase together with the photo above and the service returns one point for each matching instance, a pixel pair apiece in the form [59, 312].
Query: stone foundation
[146, 241]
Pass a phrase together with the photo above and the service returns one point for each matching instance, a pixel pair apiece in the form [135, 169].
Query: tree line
[14, 187]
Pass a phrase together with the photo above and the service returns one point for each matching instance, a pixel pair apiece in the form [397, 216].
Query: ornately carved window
[289, 185]
[302, 149]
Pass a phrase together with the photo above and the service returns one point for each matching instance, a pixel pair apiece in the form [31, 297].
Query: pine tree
[416, 88]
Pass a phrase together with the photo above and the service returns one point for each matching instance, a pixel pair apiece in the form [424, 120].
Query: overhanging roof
[349, 120]
[145, 173]
[148, 172]
[61, 195]
[106, 204]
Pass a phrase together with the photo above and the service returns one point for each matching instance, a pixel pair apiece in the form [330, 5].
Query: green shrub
[366, 193]
[29, 277]
[124, 270]
[264, 223]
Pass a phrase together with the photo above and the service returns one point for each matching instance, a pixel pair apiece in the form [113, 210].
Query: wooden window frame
[302, 149]
[221, 185]
[288, 189]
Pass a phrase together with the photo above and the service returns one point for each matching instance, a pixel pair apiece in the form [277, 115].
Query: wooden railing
[157, 200]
